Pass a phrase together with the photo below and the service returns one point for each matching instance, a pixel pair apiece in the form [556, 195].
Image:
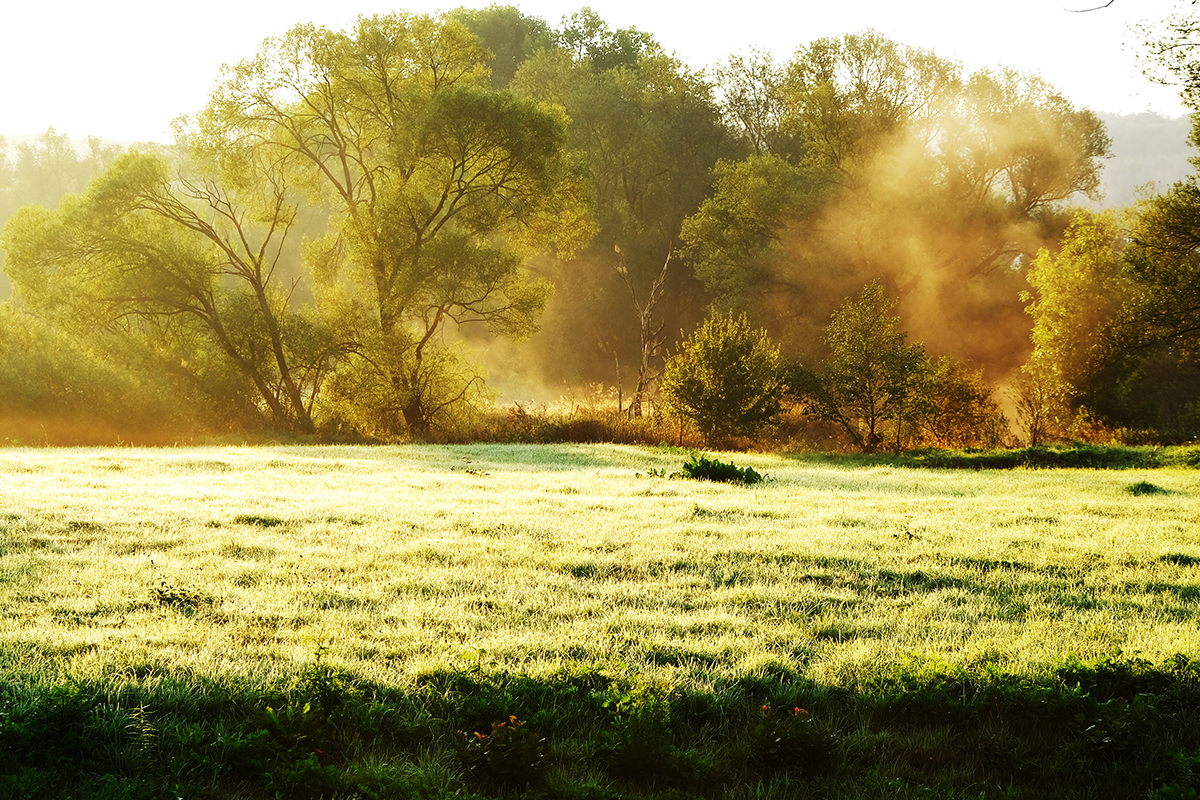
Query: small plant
[1119, 725]
[1145, 487]
[185, 601]
[789, 741]
[703, 468]
[510, 755]
[260, 521]
[642, 742]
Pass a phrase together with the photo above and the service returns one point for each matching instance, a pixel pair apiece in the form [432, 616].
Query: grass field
[395, 567]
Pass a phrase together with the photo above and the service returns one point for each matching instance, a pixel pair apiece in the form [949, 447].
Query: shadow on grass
[1110, 727]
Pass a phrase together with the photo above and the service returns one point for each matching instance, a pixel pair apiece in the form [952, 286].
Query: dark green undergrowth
[1077, 456]
[1112, 728]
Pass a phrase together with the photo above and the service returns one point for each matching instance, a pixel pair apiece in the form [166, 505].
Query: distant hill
[1146, 148]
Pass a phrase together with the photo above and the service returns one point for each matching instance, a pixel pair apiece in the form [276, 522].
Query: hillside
[1147, 149]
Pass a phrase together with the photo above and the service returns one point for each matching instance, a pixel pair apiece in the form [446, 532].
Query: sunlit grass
[399, 561]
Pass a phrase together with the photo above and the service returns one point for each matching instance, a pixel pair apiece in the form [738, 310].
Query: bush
[728, 380]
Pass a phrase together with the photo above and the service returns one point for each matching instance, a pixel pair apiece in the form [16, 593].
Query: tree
[1147, 373]
[1170, 54]
[439, 185]
[650, 329]
[1076, 294]
[870, 384]
[751, 97]
[727, 380]
[181, 258]
[509, 35]
[958, 407]
[898, 170]
[647, 131]
[46, 169]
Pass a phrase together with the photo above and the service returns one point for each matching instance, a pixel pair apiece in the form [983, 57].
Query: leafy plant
[1119, 725]
[710, 469]
[510, 755]
[642, 744]
[789, 741]
[185, 601]
[260, 521]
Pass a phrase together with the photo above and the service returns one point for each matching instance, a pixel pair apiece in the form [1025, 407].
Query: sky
[123, 69]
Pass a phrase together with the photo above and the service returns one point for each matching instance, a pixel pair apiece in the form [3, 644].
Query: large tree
[896, 169]
[436, 182]
[648, 133]
[185, 260]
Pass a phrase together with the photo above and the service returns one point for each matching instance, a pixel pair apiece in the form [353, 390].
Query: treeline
[365, 232]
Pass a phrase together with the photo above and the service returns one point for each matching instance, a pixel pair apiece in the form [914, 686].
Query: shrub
[728, 380]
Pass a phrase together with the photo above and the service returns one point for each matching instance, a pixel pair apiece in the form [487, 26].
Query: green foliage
[1118, 725]
[733, 241]
[871, 383]
[641, 742]
[429, 230]
[727, 380]
[1076, 294]
[874, 161]
[1075, 456]
[646, 133]
[790, 741]
[510, 755]
[258, 520]
[957, 408]
[183, 262]
[186, 601]
[58, 389]
[1148, 373]
[1072, 737]
[508, 34]
[704, 468]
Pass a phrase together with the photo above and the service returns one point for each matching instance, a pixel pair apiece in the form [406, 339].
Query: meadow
[359, 621]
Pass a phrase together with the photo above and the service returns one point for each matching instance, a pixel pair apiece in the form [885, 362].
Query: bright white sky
[123, 69]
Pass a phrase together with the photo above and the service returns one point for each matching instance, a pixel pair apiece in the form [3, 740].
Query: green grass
[944, 628]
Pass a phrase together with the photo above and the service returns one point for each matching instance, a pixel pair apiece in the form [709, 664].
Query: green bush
[728, 380]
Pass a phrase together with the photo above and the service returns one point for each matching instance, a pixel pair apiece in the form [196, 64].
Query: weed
[1145, 487]
[1119, 725]
[260, 521]
[641, 744]
[185, 601]
[700, 467]
[789, 741]
[510, 755]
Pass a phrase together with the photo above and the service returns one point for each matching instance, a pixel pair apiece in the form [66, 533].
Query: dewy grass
[401, 560]
[153, 619]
